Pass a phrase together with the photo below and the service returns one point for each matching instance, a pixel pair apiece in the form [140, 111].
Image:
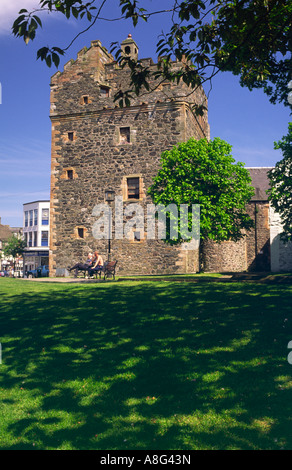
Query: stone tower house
[98, 147]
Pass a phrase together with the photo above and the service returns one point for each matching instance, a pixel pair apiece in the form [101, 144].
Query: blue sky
[245, 119]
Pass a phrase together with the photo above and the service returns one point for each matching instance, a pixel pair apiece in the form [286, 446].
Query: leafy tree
[205, 173]
[250, 38]
[280, 193]
[14, 247]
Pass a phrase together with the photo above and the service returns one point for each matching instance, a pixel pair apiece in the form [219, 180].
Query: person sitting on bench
[82, 266]
[97, 264]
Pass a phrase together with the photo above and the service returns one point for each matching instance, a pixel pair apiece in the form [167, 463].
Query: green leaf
[55, 59]
[75, 12]
[48, 60]
[38, 20]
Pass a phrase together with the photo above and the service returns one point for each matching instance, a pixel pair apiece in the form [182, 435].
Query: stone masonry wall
[258, 239]
[225, 257]
[251, 253]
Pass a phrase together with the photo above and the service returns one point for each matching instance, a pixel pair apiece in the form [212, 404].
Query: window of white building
[45, 238]
[45, 216]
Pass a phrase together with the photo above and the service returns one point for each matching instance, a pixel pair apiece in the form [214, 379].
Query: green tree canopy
[250, 38]
[280, 193]
[204, 173]
[14, 247]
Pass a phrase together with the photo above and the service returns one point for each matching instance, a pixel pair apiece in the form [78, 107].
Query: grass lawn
[145, 365]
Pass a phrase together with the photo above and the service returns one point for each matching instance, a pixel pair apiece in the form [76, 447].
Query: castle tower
[129, 48]
[99, 148]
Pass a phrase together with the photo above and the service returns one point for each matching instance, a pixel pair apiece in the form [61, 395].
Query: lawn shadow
[147, 366]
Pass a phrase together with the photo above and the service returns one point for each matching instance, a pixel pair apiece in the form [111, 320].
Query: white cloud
[9, 12]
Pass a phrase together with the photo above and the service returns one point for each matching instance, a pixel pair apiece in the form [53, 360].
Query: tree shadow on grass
[146, 366]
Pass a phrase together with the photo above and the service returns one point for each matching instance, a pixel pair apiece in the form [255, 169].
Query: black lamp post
[109, 196]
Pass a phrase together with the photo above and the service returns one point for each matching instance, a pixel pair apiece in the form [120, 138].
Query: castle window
[69, 174]
[71, 136]
[85, 99]
[133, 188]
[80, 231]
[125, 136]
[137, 236]
[104, 91]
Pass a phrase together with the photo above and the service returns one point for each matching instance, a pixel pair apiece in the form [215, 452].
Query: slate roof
[260, 182]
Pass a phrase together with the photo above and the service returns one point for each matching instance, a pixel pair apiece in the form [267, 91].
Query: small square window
[71, 136]
[125, 135]
[133, 188]
[70, 174]
[104, 91]
[80, 232]
[85, 99]
[137, 236]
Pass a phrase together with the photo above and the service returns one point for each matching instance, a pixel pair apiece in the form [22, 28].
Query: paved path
[232, 277]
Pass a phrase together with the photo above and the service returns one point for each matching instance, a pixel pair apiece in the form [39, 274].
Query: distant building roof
[34, 202]
[5, 232]
[260, 182]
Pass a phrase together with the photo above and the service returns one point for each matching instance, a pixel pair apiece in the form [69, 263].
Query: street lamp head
[109, 195]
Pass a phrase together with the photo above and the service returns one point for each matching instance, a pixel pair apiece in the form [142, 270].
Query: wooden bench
[109, 269]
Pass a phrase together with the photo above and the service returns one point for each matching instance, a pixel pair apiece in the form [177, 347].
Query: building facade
[98, 147]
[36, 229]
[261, 250]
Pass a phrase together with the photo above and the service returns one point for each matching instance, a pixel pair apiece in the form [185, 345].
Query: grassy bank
[145, 365]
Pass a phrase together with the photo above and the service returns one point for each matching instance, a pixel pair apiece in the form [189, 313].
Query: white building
[36, 229]
[281, 253]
